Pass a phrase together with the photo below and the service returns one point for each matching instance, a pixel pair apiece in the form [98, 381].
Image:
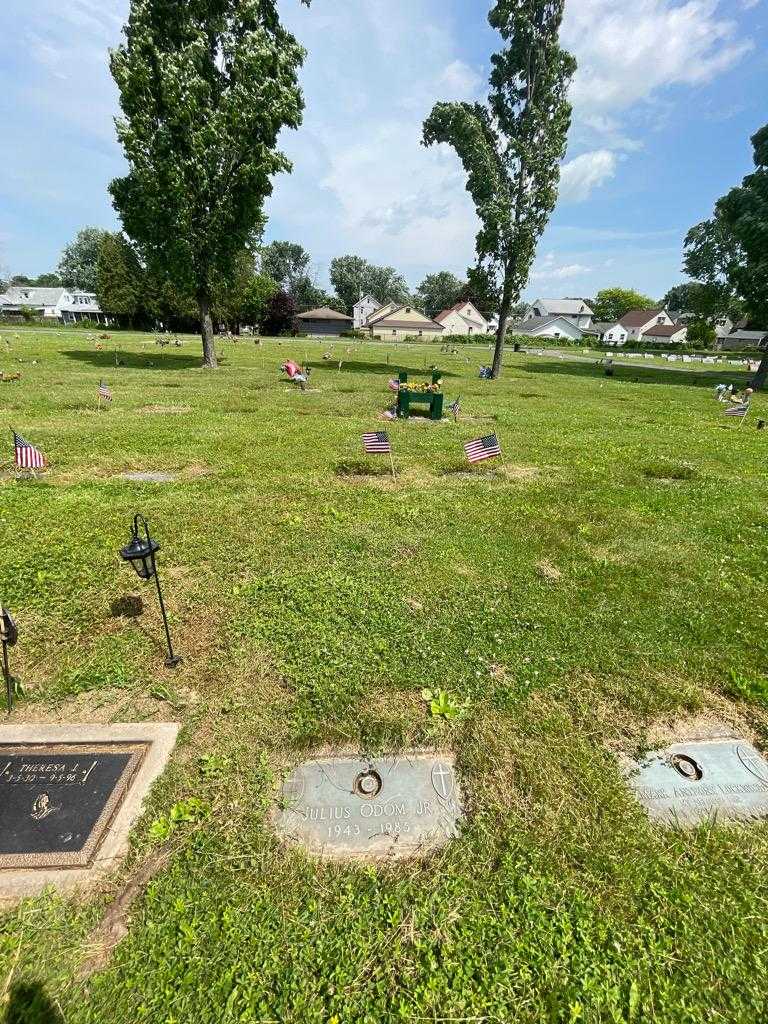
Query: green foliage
[78, 266]
[352, 276]
[482, 290]
[244, 297]
[701, 334]
[750, 687]
[205, 89]
[185, 812]
[443, 705]
[120, 279]
[611, 304]
[286, 263]
[439, 291]
[511, 149]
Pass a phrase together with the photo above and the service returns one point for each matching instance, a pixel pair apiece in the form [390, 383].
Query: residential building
[634, 325]
[741, 339]
[60, 305]
[402, 322]
[575, 310]
[324, 322]
[463, 318]
[365, 307]
[667, 334]
[548, 327]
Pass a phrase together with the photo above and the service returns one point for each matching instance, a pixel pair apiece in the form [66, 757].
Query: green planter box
[407, 398]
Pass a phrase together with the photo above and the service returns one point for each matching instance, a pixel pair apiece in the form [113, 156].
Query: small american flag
[737, 410]
[483, 448]
[394, 385]
[378, 443]
[26, 455]
[104, 392]
[455, 407]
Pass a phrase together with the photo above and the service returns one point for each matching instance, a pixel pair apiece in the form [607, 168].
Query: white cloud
[581, 176]
[564, 273]
[749, 4]
[460, 81]
[627, 54]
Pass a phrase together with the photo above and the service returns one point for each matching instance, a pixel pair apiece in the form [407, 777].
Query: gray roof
[535, 322]
[747, 335]
[565, 307]
[20, 295]
[323, 313]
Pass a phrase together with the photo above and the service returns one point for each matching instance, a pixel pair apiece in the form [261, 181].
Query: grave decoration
[140, 553]
[68, 796]
[693, 782]
[352, 807]
[9, 636]
[431, 395]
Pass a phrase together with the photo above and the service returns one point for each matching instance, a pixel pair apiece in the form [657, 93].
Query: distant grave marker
[68, 796]
[387, 807]
[688, 783]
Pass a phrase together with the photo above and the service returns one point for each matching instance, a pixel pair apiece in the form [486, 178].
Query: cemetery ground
[602, 591]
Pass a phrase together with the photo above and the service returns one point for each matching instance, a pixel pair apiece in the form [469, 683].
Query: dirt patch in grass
[518, 474]
[359, 470]
[669, 472]
[548, 571]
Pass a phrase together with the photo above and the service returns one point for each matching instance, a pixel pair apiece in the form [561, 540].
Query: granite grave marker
[692, 782]
[355, 807]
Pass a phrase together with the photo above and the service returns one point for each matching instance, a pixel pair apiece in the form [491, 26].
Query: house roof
[368, 298]
[664, 330]
[639, 317]
[323, 313]
[29, 295]
[445, 313]
[747, 335]
[565, 307]
[601, 326]
[538, 322]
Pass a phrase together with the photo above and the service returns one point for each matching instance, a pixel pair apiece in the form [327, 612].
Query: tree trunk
[206, 329]
[758, 381]
[498, 355]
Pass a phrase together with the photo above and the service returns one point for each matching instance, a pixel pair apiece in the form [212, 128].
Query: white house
[635, 324]
[463, 318]
[397, 322]
[675, 334]
[548, 327]
[364, 308]
[54, 304]
[575, 310]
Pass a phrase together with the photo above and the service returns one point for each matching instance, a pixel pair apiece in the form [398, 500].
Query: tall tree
[353, 276]
[120, 278]
[611, 304]
[205, 89]
[511, 149]
[439, 291]
[77, 266]
[713, 256]
[744, 212]
[286, 263]
[482, 289]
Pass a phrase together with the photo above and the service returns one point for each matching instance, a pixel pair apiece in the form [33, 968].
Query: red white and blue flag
[737, 410]
[377, 443]
[394, 385]
[26, 455]
[104, 392]
[483, 448]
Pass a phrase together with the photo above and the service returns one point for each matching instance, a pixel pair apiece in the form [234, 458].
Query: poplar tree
[512, 147]
[205, 88]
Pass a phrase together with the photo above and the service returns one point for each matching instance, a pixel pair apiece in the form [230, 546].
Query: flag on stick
[104, 392]
[394, 385]
[737, 410]
[455, 408]
[26, 456]
[483, 448]
[377, 443]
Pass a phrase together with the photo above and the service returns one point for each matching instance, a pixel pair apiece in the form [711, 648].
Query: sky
[665, 100]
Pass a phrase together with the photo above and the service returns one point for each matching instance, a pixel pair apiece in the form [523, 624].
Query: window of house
[395, 331]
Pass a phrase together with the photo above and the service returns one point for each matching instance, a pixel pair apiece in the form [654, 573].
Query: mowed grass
[605, 583]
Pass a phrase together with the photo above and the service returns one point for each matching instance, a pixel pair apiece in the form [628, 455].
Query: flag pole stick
[392, 463]
[7, 676]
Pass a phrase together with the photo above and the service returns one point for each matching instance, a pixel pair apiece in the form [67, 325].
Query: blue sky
[665, 100]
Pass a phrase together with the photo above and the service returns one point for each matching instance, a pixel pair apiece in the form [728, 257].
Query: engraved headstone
[688, 783]
[353, 807]
[68, 797]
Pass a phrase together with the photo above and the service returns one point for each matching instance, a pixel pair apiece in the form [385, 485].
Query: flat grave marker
[149, 478]
[692, 782]
[393, 806]
[68, 797]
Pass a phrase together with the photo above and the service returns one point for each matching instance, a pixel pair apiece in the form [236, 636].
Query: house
[548, 327]
[366, 306]
[599, 329]
[741, 339]
[54, 304]
[324, 322]
[575, 310]
[397, 322]
[634, 325]
[666, 334]
[463, 318]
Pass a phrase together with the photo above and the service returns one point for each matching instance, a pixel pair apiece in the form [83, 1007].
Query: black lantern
[140, 552]
[9, 634]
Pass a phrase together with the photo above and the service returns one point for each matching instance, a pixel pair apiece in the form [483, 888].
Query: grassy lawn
[602, 586]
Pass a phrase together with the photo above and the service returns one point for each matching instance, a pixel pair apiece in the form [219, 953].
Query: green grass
[608, 580]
